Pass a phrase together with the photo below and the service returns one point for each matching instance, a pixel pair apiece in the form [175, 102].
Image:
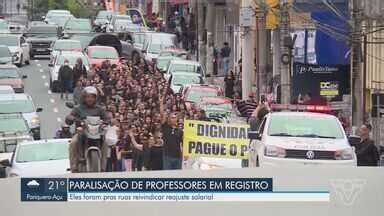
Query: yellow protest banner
[211, 139]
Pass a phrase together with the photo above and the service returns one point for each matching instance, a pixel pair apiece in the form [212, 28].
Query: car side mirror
[6, 163]
[50, 64]
[24, 77]
[254, 135]
[39, 109]
[144, 51]
[70, 105]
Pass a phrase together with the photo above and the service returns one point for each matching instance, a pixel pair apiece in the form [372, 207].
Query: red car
[98, 54]
[193, 93]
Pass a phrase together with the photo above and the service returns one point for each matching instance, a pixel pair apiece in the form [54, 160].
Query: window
[16, 106]
[42, 152]
[6, 73]
[304, 126]
[9, 41]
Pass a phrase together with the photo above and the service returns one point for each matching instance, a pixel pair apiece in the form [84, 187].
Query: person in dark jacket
[65, 79]
[79, 70]
[229, 85]
[366, 151]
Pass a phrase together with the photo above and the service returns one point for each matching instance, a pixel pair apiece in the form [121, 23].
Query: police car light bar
[303, 108]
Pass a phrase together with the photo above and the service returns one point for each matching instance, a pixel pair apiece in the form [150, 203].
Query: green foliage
[40, 7]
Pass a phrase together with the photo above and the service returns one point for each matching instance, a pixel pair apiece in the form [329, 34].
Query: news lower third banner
[161, 190]
[211, 139]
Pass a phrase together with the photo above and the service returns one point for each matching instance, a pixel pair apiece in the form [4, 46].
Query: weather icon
[33, 184]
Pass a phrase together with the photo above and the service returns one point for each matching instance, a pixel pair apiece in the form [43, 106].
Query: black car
[41, 37]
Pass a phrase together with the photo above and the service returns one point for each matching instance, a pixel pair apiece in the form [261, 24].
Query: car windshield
[305, 126]
[185, 80]
[6, 73]
[9, 41]
[59, 20]
[138, 38]
[12, 125]
[225, 107]
[4, 52]
[38, 30]
[67, 45]
[185, 68]
[16, 106]
[155, 48]
[104, 15]
[104, 54]
[42, 152]
[72, 59]
[195, 95]
[76, 24]
[3, 25]
[163, 62]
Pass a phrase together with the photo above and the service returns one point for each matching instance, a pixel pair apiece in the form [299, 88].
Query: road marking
[44, 77]
[52, 100]
[38, 65]
[56, 110]
[49, 92]
[46, 84]
[41, 71]
[59, 119]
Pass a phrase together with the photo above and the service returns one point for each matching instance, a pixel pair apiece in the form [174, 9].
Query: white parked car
[185, 66]
[155, 42]
[71, 56]
[13, 131]
[6, 89]
[18, 47]
[180, 79]
[64, 45]
[22, 104]
[292, 139]
[39, 158]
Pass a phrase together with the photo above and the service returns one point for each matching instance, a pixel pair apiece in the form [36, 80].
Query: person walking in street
[79, 70]
[172, 137]
[225, 53]
[65, 79]
[366, 151]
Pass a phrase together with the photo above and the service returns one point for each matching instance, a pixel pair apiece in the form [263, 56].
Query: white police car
[291, 139]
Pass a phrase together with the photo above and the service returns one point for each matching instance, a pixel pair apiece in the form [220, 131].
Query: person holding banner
[172, 138]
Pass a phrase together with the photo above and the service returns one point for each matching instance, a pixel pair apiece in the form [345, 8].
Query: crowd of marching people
[140, 103]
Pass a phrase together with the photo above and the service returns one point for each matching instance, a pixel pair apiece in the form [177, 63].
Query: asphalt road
[37, 85]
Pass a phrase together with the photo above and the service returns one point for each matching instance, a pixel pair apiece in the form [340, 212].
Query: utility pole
[356, 59]
[262, 50]
[285, 81]
[247, 54]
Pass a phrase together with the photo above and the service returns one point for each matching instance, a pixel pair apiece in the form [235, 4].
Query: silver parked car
[22, 104]
[39, 158]
[13, 130]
